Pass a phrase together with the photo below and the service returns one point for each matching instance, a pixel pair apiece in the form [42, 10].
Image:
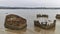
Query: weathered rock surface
[58, 16]
[15, 22]
[44, 15]
[39, 15]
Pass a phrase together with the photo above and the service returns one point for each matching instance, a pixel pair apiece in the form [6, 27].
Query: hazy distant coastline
[29, 8]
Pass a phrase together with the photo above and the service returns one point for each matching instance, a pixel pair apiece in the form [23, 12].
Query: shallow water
[30, 15]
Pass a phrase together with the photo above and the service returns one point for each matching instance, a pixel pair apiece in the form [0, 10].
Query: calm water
[30, 15]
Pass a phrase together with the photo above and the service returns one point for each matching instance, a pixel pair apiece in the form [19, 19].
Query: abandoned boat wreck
[15, 22]
[45, 23]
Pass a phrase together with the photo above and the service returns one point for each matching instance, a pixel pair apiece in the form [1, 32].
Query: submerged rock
[58, 16]
[13, 21]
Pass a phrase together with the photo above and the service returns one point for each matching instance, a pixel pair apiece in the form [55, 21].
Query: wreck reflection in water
[43, 31]
[36, 30]
[16, 31]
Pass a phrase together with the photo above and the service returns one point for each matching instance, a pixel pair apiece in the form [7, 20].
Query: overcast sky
[30, 3]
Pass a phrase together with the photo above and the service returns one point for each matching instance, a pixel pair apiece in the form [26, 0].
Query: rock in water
[15, 22]
[43, 15]
[57, 16]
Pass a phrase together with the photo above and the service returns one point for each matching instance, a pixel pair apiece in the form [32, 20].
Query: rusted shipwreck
[46, 24]
[15, 22]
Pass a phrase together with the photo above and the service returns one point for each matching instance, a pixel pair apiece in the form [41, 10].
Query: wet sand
[30, 15]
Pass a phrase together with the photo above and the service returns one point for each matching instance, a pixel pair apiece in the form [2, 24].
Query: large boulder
[15, 22]
[57, 16]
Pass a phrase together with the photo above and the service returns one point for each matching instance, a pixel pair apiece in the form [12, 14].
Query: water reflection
[43, 31]
[22, 31]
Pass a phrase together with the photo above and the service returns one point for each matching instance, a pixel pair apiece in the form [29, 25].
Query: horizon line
[29, 7]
